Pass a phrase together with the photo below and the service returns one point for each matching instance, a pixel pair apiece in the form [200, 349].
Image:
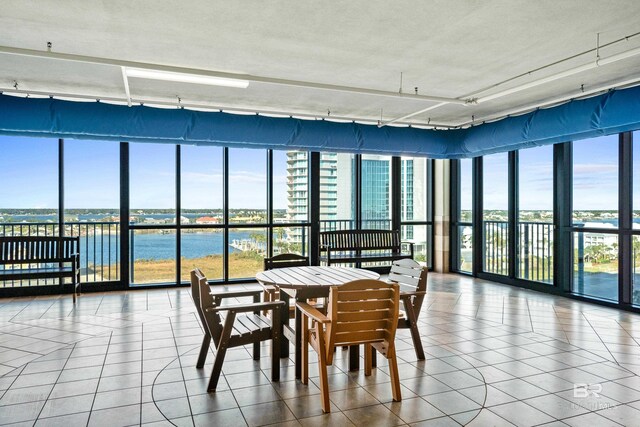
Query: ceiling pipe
[126, 85]
[207, 107]
[407, 116]
[472, 99]
[225, 75]
[554, 101]
[567, 73]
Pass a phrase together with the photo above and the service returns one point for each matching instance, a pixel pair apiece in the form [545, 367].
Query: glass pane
[595, 265]
[495, 213]
[420, 236]
[337, 190]
[154, 256]
[466, 190]
[28, 193]
[595, 182]
[535, 228]
[203, 249]
[294, 240]
[247, 251]
[92, 206]
[29, 190]
[413, 196]
[153, 202]
[152, 183]
[290, 186]
[201, 184]
[465, 233]
[376, 192]
[247, 186]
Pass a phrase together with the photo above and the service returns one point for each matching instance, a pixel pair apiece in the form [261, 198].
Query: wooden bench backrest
[201, 293]
[285, 260]
[362, 311]
[412, 275]
[38, 249]
[352, 240]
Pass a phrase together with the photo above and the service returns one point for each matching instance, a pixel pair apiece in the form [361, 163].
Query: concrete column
[441, 214]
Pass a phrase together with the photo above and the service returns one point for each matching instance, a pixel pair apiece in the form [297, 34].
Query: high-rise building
[337, 201]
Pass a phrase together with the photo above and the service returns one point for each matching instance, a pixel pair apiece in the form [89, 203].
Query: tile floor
[496, 355]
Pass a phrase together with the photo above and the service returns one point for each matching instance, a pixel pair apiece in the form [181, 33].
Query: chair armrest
[312, 312]
[236, 294]
[242, 308]
[412, 293]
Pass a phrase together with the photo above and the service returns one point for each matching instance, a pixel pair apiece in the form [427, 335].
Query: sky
[595, 177]
[29, 166]
[28, 170]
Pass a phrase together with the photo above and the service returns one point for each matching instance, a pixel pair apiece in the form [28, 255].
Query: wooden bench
[349, 246]
[40, 257]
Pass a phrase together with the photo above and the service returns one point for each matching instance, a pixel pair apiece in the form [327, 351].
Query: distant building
[337, 202]
[207, 220]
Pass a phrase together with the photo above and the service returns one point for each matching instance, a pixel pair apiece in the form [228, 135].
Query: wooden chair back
[412, 277]
[285, 260]
[358, 312]
[362, 312]
[202, 298]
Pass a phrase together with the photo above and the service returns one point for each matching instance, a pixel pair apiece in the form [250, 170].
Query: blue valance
[613, 112]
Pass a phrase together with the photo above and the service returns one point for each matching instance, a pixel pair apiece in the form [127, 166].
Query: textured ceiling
[450, 49]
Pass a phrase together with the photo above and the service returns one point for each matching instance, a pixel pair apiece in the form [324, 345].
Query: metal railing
[534, 252]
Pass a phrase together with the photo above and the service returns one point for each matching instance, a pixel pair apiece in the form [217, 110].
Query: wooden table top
[313, 277]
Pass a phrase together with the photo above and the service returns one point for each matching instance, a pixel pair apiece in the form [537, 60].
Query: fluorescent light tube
[185, 78]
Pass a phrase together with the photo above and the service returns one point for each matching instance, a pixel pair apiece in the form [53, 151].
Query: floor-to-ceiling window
[535, 214]
[635, 239]
[565, 216]
[160, 210]
[415, 206]
[201, 211]
[290, 202]
[153, 216]
[92, 206]
[29, 204]
[462, 216]
[595, 217]
[495, 213]
[247, 194]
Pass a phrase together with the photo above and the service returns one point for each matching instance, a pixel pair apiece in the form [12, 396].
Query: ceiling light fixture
[185, 78]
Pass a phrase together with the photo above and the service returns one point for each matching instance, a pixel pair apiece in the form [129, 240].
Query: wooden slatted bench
[40, 257]
[349, 246]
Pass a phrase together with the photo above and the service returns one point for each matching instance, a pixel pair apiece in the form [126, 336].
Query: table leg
[298, 360]
[354, 358]
[284, 320]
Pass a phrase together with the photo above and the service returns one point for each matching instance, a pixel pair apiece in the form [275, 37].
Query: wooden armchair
[242, 325]
[358, 312]
[271, 293]
[412, 278]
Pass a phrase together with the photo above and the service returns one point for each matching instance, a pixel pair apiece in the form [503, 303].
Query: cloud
[594, 168]
[201, 177]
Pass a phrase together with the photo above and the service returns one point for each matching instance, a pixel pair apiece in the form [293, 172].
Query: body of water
[155, 246]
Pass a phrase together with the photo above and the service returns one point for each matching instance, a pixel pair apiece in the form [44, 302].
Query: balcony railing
[535, 250]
